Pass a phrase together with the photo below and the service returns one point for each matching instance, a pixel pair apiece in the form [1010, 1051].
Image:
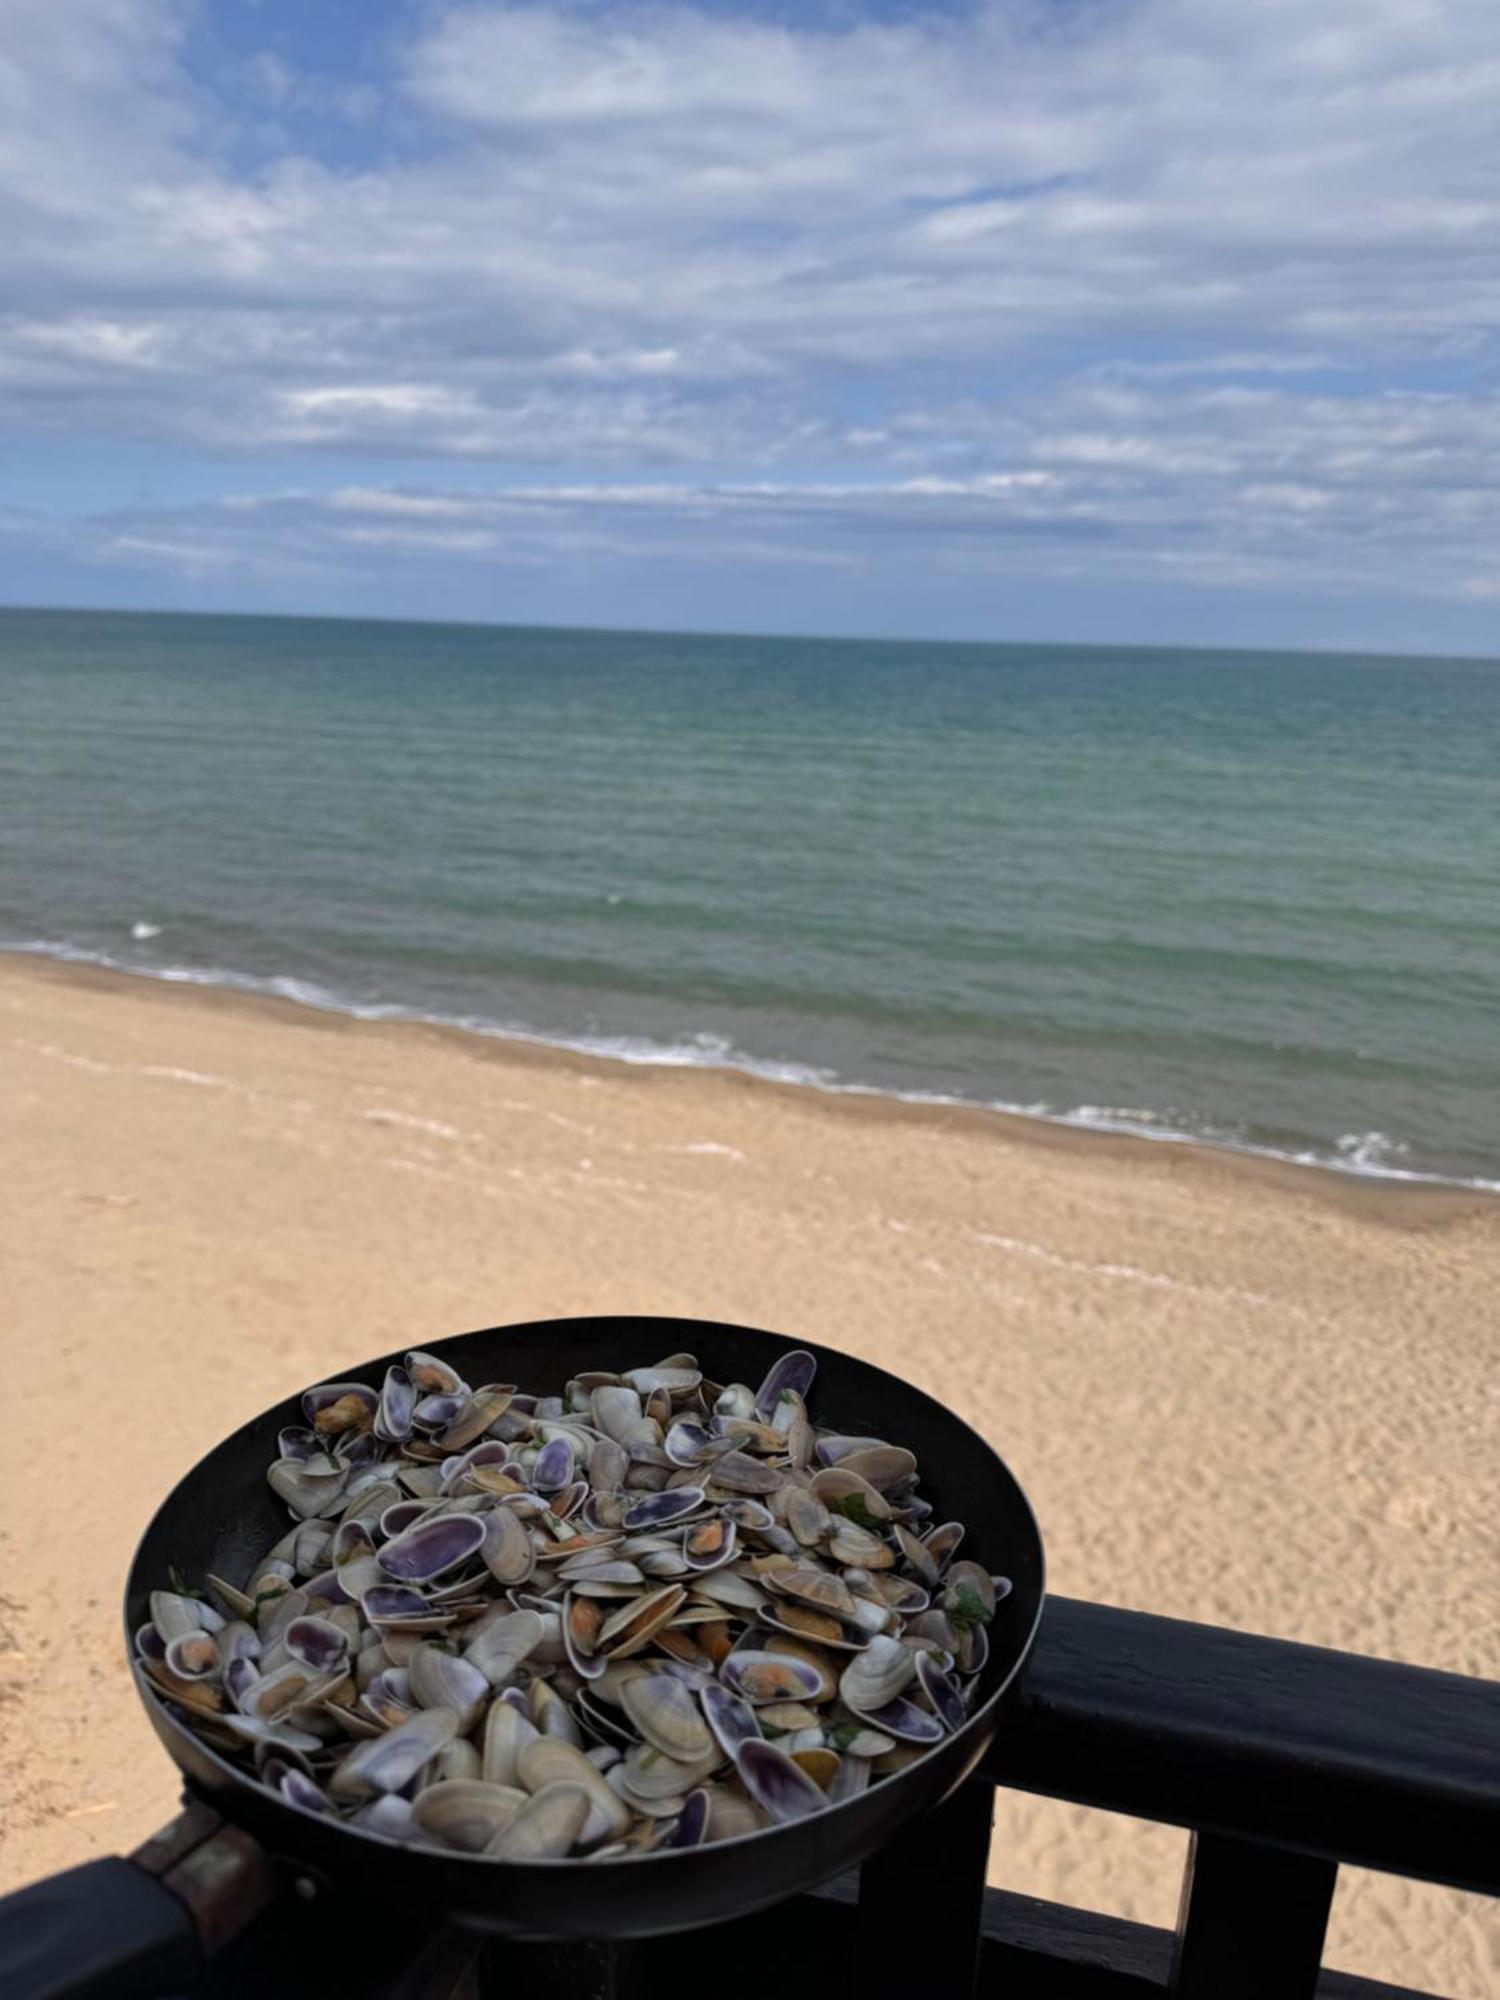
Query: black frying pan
[223, 1517]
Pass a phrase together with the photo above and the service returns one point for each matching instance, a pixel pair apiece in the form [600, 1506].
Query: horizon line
[719, 632]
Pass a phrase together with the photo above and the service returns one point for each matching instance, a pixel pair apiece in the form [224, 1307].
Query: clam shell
[616, 1410]
[506, 1733]
[432, 1375]
[817, 1587]
[499, 1646]
[844, 1492]
[337, 1404]
[507, 1550]
[485, 1406]
[665, 1713]
[387, 1816]
[690, 1828]
[738, 1472]
[192, 1656]
[445, 1680]
[710, 1543]
[904, 1719]
[547, 1760]
[942, 1693]
[730, 1717]
[318, 1643]
[636, 1624]
[969, 1594]
[433, 1547]
[552, 1468]
[546, 1828]
[398, 1604]
[876, 1676]
[763, 1677]
[776, 1784]
[688, 1442]
[464, 1813]
[882, 1465]
[790, 1374]
[659, 1510]
[388, 1763]
[398, 1399]
[307, 1490]
[582, 1623]
[648, 1776]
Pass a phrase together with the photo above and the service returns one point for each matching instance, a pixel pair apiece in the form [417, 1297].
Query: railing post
[931, 1876]
[1251, 1922]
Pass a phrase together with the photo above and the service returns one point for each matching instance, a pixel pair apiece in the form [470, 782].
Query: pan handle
[136, 1929]
[106, 1929]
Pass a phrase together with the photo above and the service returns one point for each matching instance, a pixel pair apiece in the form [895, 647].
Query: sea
[1247, 898]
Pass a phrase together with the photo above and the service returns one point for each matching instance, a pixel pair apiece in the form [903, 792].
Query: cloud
[1223, 278]
[1210, 488]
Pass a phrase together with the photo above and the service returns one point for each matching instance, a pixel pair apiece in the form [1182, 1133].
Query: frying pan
[222, 1517]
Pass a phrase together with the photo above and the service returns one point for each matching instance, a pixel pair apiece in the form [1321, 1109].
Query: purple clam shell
[692, 1822]
[745, 1658]
[553, 1467]
[317, 1399]
[396, 1604]
[731, 1719]
[316, 1644]
[790, 1373]
[325, 1588]
[942, 1692]
[776, 1783]
[358, 1449]
[398, 1402]
[239, 1677]
[399, 1516]
[299, 1790]
[296, 1442]
[437, 1411]
[903, 1719]
[432, 1547]
[351, 1540]
[686, 1442]
[149, 1643]
[659, 1510]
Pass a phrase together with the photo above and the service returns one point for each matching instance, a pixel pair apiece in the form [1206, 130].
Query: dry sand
[1235, 1392]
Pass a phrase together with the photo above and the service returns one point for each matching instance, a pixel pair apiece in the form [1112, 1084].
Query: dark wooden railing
[1282, 1761]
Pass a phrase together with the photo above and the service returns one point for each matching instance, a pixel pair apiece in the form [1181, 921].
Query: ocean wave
[1366, 1155]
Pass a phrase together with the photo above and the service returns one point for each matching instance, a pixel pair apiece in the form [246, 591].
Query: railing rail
[1330, 1754]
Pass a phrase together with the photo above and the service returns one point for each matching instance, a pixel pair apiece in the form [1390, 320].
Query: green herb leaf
[969, 1607]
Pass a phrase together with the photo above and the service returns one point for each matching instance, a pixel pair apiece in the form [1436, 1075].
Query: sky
[1161, 321]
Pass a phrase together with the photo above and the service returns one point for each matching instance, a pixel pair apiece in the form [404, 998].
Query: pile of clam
[650, 1612]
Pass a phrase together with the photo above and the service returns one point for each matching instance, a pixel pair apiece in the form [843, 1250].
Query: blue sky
[1151, 320]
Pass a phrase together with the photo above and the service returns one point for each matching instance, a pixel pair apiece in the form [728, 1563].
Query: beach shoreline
[1392, 1197]
[1236, 1389]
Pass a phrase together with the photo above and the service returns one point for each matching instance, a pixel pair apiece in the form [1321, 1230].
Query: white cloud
[1106, 259]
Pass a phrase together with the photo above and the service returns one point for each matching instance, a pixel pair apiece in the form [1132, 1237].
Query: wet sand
[1236, 1391]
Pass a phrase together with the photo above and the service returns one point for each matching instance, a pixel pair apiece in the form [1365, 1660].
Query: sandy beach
[1236, 1391]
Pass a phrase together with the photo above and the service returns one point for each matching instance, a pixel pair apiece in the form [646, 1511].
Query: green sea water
[1251, 897]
